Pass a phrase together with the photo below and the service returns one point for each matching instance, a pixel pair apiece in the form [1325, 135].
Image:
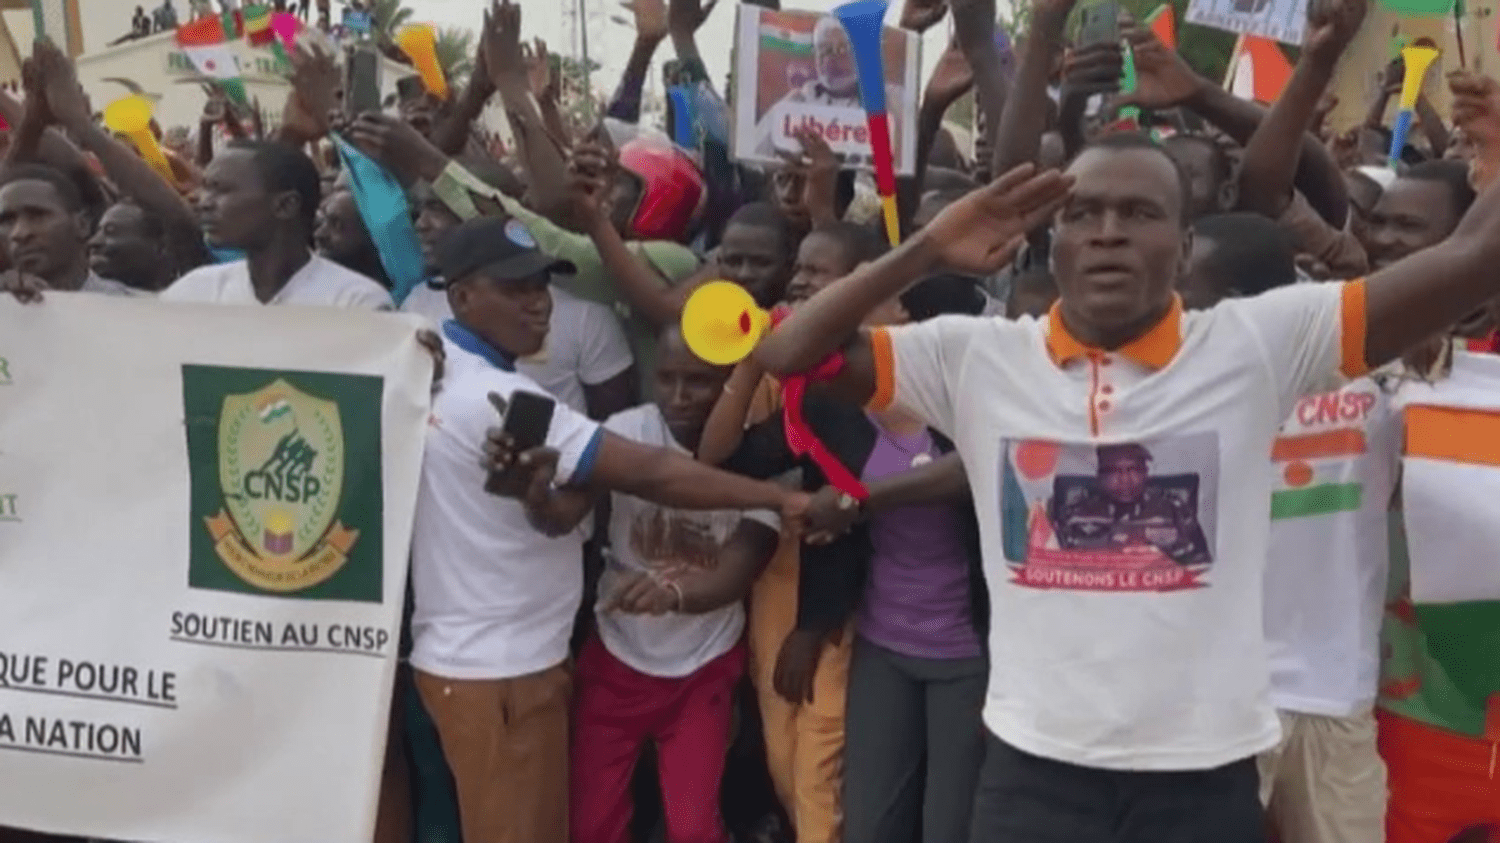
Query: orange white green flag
[1451, 481]
[209, 45]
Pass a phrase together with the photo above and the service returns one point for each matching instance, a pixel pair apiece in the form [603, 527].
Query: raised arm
[1025, 117]
[976, 235]
[725, 428]
[1163, 80]
[591, 175]
[1267, 172]
[951, 79]
[546, 163]
[451, 134]
[684, 18]
[53, 149]
[974, 27]
[650, 29]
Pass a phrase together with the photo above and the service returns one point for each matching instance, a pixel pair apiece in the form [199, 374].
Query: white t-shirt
[1127, 616]
[319, 283]
[643, 535]
[1335, 467]
[585, 344]
[495, 598]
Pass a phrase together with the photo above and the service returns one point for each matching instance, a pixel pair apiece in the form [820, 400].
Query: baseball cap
[503, 249]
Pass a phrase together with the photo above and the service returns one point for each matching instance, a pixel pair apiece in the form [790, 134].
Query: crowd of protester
[676, 626]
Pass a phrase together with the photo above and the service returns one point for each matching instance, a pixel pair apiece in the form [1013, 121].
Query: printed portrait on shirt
[1131, 516]
[673, 540]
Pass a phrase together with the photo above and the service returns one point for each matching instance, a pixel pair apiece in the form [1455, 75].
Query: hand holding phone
[1099, 23]
[525, 421]
[362, 82]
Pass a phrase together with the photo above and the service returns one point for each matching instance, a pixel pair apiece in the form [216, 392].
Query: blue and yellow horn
[864, 20]
[1417, 58]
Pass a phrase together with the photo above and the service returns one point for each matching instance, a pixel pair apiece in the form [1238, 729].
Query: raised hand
[398, 145]
[59, 83]
[982, 231]
[684, 17]
[1476, 115]
[591, 169]
[1331, 25]
[807, 180]
[952, 77]
[651, 22]
[539, 73]
[317, 90]
[500, 42]
[215, 107]
[1162, 79]
[922, 15]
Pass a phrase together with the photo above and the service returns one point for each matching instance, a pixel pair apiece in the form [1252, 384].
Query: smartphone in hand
[362, 82]
[527, 419]
[1099, 23]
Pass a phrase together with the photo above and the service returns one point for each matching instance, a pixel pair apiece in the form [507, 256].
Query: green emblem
[286, 482]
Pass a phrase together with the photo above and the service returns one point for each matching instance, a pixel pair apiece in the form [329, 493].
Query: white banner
[205, 517]
[1278, 20]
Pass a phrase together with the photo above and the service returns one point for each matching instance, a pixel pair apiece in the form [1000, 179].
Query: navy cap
[501, 249]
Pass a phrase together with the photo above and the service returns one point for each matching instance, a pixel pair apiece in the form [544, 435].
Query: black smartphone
[1099, 23]
[362, 82]
[528, 417]
[409, 88]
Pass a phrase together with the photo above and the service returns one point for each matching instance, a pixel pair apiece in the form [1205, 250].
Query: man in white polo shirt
[262, 197]
[1129, 693]
[498, 580]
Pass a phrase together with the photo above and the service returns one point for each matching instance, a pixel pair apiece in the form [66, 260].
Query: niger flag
[208, 44]
[1308, 487]
[1450, 485]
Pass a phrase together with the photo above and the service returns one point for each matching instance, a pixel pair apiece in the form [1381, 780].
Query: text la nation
[73, 737]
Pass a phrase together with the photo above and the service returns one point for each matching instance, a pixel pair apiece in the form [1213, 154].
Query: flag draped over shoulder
[208, 45]
[1450, 481]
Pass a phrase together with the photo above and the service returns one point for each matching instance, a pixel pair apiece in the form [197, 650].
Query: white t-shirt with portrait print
[495, 598]
[1123, 500]
[319, 283]
[644, 536]
[585, 344]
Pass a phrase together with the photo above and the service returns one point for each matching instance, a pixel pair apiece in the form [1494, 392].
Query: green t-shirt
[1440, 663]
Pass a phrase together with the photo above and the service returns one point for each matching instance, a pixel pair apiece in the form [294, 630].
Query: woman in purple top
[917, 677]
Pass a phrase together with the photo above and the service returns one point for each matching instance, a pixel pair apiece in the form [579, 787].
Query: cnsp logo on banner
[286, 482]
